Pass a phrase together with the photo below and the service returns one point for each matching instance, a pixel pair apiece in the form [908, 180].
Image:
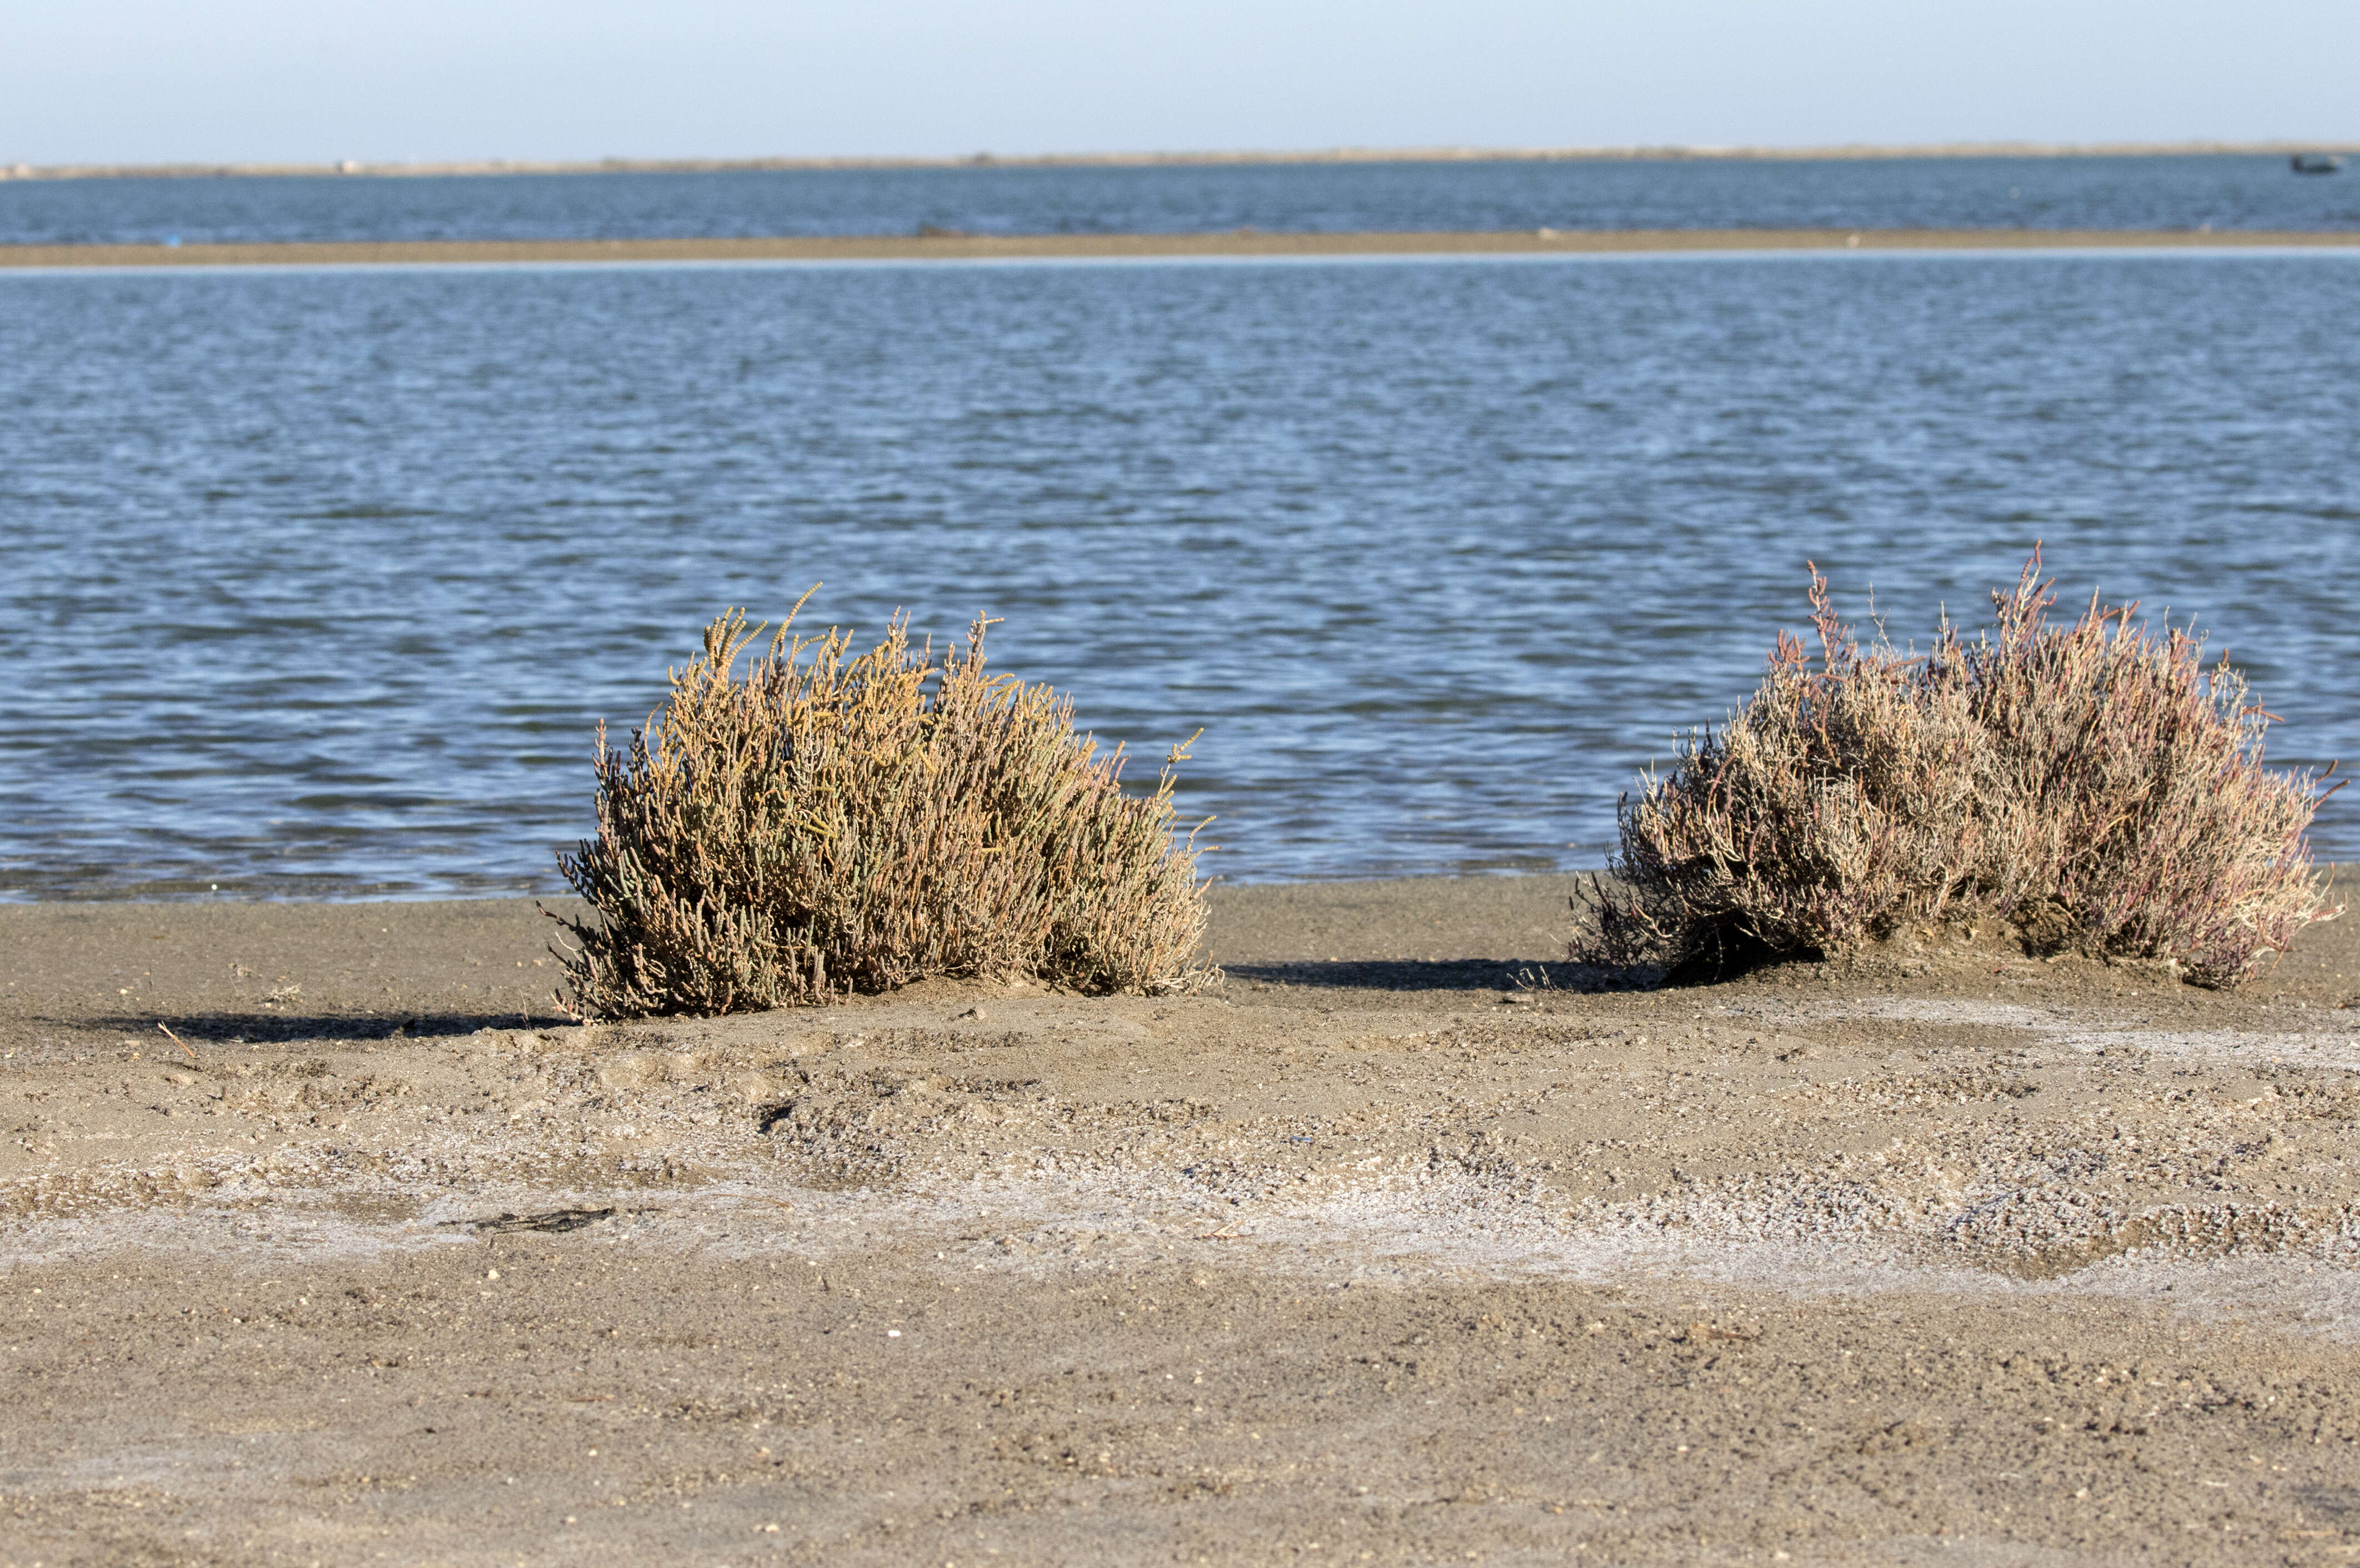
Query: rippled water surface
[2226, 191]
[317, 582]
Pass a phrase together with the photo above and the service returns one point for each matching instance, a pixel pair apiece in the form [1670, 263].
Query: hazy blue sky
[140, 80]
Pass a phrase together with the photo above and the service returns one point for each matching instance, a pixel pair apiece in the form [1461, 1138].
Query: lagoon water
[2226, 191]
[316, 581]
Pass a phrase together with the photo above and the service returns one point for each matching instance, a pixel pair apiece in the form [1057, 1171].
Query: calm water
[2041, 192]
[317, 582]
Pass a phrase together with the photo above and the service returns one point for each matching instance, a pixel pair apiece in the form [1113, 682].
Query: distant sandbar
[1848, 152]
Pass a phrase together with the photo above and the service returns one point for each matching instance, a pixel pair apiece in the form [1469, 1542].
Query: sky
[312, 81]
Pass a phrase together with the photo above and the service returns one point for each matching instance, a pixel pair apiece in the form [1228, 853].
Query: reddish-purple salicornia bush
[2094, 783]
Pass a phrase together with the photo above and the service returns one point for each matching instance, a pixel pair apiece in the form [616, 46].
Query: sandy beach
[1370, 1254]
[1101, 247]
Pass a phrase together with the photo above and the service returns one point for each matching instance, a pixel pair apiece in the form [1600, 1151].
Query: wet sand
[1084, 247]
[1370, 1255]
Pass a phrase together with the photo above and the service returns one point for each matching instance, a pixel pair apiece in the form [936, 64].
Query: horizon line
[348, 167]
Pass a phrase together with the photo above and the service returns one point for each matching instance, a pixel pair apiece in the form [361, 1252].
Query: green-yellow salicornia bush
[2094, 783]
[830, 823]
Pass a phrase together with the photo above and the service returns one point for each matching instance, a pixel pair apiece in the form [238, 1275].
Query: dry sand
[1241, 242]
[1369, 1257]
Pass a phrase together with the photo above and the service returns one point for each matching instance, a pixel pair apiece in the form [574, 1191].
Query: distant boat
[2316, 162]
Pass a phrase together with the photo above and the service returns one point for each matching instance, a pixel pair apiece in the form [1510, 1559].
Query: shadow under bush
[1390, 974]
[276, 1028]
[2092, 783]
[831, 825]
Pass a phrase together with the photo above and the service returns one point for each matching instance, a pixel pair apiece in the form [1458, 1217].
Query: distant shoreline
[1237, 243]
[350, 168]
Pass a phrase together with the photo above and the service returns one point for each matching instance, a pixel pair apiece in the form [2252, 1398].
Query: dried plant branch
[2094, 783]
[832, 824]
